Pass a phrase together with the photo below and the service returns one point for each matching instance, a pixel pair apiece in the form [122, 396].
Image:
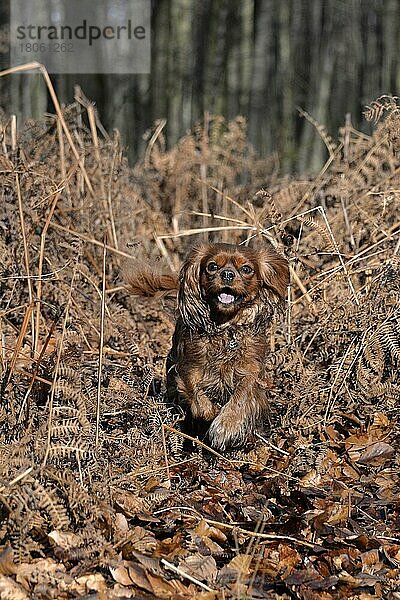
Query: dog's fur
[227, 296]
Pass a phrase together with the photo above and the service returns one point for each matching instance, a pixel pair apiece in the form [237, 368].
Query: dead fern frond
[331, 146]
[381, 105]
[310, 222]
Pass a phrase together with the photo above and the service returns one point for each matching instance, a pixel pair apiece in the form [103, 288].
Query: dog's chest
[221, 358]
[227, 355]
[227, 346]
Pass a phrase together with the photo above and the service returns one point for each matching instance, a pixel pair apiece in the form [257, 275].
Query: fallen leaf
[355, 444]
[240, 563]
[128, 573]
[380, 421]
[201, 567]
[161, 587]
[303, 576]
[9, 590]
[121, 524]
[65, 539]
[130, 504]
[91, 583]
[339, 513]
[142, 540]
[324, 584]
[120, 591]
[377, 454]
[311, 479]
[7, 566]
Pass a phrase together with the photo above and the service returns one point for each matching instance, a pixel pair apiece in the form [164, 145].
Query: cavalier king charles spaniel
[227, 295]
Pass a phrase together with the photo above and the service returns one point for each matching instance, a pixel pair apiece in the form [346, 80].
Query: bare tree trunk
[314, 33]
[179, 89]
[261, 95]
[390, 28]
[285, 84]
[201, 38]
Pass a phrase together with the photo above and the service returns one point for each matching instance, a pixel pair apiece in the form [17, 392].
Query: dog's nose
[227, 275]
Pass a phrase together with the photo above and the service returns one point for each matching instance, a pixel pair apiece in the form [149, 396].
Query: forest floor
[101, 496]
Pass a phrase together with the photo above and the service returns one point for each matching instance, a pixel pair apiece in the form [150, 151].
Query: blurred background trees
[259, 58]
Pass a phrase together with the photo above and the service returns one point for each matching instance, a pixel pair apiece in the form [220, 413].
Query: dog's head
[220, 282]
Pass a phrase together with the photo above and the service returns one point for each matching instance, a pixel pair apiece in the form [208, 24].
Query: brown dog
[226, 298]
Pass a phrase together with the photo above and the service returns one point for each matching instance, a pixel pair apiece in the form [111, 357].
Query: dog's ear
[194, 310]
[274, 275]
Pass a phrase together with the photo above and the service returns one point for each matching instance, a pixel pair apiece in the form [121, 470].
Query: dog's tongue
[226, 298]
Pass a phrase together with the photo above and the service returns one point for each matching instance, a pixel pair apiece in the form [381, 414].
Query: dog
[227, 296]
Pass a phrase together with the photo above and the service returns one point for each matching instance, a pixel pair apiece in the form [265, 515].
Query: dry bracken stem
[301, 286]
[106, 204]
[320, 129]
[226, 197]
[198, 442]
[203, 169]
[347, 222]
[204, 198]
[353, 291]
[179, 571]
[95, 286]
[139, 473]
[165, 452]
[17, 348]
[103, 304]
[13, 128]
[216, 217]
[289, 314]
[164, 252]
[35, 377]
[26, 252]
[268, 443]
[36, 369]
[224, 209]
[109, 197]
[56, 368]
[234, 462]
[40, 269]
[152, 141]
[2, 346]
[86, 238]
[346, 138]
[262, 536]
[331, 399]
[187, 232]
[253, 547]
[62, 149]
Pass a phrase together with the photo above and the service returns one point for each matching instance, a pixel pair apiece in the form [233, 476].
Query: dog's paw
[225, 431]
[204, 409]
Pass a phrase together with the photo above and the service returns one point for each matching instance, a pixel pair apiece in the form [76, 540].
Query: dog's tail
[151, 284]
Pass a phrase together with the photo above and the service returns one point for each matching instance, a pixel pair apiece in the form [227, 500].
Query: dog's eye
[246, 269]
[212, 267]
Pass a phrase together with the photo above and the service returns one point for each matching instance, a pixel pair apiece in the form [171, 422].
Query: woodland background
[258, 58]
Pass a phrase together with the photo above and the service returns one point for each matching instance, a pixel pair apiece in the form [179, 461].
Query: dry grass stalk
[101, 342]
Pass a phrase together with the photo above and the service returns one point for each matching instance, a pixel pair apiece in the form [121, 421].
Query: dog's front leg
[190, 388]
[238, 417]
